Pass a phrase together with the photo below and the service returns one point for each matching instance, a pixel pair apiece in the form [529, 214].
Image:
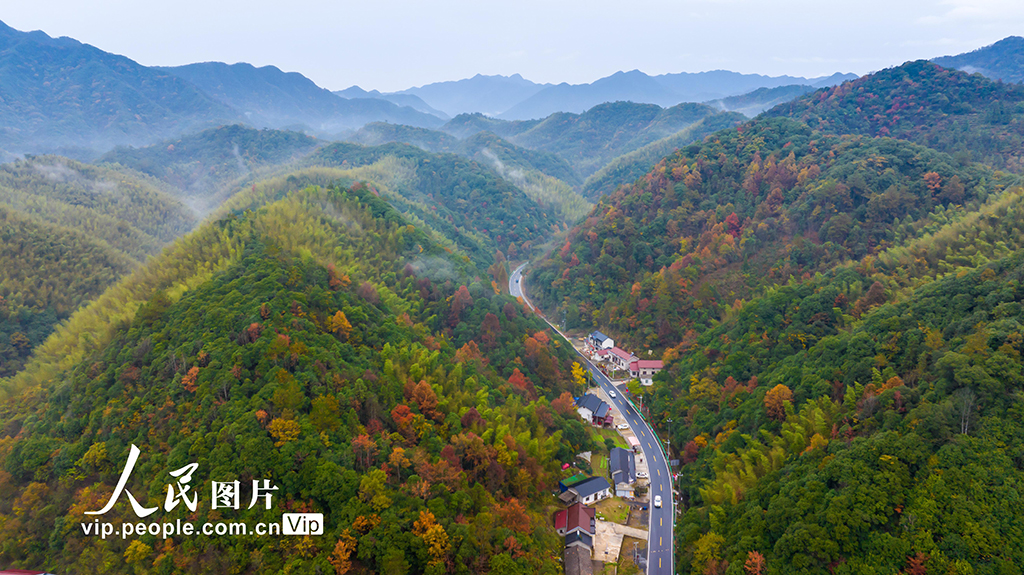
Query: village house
[622, 466]
[576, 518]
[579, 539]
[593, 410]
[644, 370]
[599, 341]
[577, 561]
[620, 359]
[588, 491]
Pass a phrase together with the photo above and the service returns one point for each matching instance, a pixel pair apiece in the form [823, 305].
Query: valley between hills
[773, 326]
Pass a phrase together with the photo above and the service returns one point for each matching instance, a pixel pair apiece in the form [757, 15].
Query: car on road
[622, 426]
[643, 475]
[612, 394]
[657, 501]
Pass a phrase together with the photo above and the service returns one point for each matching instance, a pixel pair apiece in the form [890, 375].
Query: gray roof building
[622, 465]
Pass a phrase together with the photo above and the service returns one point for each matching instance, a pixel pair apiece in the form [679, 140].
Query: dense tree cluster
[67, 232]
[203, 163]
[455, 196]
[747, 208]
[967, 116]
[413, 410]
[898, 444]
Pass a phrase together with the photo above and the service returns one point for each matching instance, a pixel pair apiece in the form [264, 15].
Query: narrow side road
[659, 544]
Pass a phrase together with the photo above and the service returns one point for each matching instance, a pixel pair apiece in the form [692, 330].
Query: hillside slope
[748, 207]
[469, 204]
[206, 166]
[320, 342]
[871, 410]
[630, 166]
[69, 231]
[971, 117]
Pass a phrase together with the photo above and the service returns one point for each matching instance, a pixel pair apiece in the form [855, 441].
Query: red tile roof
[580, 516]
[560, 519]
[621, 353]
[647, 364]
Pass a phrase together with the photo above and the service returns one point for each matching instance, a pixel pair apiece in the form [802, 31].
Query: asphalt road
[659, 556]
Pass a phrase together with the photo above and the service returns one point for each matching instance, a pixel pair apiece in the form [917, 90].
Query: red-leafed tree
[563, 405]
[513, 515]
[426, 400]
[468, 352]
[754, 564]
[490, 331]
[915, 564]
[519, 381]
[732, 222]
[364, 450]
[402, 415]
[470, 418]
[460, 301]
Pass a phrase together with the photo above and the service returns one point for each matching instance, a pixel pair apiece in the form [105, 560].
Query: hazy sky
[391, 45]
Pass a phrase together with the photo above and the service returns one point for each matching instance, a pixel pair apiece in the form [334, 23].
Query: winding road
[659, 557]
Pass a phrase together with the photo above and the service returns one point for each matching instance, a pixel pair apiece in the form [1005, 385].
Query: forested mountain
[626, 168]
[971, 117]
[1003, 60]
[544, 177]
[320, 342]
[468, 204]
[590, 140]
[411, 100]
[59, 94]
[841, 319]
[465, 125]
[70, 231]
[48, 272]
[486, 146]
[271, 98]
[378, 133]
[846, 424]
[471, 146]
[206, 166]
[749, 207]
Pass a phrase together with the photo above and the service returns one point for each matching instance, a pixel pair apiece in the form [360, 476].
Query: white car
[622, 426]
[612, 394]
[657, 501]
[643, 475]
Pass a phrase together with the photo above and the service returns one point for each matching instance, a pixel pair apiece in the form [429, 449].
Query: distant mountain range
[411, 100]
[489, 95]
[271, 98]
[1003, 60]
[515, 98]
[57, 94]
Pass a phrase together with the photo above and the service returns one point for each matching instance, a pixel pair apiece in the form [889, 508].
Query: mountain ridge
[61, 93]
[273, 98]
